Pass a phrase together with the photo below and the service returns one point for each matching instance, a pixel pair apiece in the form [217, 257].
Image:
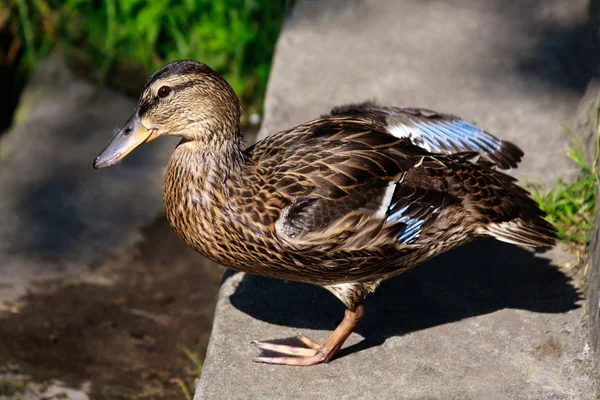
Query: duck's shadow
[479, 278]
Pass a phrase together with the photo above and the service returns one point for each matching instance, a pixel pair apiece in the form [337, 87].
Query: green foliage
[235, 37]
[194, 372]
[571, 206]
[193, 357]
[186, 392]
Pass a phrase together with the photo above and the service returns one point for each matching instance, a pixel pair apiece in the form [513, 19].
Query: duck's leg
[306, 351]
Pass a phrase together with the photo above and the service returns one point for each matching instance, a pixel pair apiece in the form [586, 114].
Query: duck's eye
[164, 91]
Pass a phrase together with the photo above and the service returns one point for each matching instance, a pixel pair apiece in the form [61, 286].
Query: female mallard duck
[345, 201]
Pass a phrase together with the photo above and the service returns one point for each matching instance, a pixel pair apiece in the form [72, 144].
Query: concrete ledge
[486, 321]
[594, 285]
[588, 130]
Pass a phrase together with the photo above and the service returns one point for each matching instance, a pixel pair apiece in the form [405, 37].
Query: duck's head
[184, 98]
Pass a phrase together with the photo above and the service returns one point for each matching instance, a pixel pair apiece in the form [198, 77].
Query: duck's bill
[131, 136]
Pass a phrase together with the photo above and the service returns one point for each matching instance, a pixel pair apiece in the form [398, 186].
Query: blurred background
[70, 72]
[117, 43]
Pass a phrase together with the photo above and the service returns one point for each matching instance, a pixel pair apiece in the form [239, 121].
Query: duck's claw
[294, 346]
[300, 350]
[296, 350]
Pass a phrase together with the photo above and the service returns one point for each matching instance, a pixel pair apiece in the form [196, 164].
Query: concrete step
[487, 321]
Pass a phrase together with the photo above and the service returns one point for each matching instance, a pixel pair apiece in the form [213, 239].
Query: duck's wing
[340, 184]
[344, 180]
[435, 132]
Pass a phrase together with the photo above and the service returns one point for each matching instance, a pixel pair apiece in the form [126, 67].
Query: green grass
[571, 206]
[194, 372]
[235, 37]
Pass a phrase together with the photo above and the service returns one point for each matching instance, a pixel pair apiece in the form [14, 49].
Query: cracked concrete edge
[587, 130]
[593, 275]
[231, 280]
[593, 281]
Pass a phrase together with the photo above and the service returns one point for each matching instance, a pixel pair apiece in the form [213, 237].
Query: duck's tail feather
[531, 232]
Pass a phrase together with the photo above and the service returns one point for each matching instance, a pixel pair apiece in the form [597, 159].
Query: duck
[345, 201]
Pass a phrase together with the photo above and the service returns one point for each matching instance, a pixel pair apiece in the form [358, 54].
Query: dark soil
[124, 337]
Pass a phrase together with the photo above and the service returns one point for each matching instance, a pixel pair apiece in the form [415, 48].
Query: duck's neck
[203, 174]
[199, 184]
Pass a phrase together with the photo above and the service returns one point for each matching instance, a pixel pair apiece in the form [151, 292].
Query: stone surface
[58, 216]
[588, 131]
[594, 285]
[487, 321]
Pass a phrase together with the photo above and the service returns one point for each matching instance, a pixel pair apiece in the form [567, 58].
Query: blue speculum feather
[433, 137]
[441, 136]
[411, 231]
[456, 134]
[412, 227]
[477, 136]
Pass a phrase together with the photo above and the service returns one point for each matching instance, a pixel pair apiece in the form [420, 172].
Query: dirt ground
[122, 338]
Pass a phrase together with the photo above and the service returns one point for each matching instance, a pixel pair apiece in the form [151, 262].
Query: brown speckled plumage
[344, 201]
